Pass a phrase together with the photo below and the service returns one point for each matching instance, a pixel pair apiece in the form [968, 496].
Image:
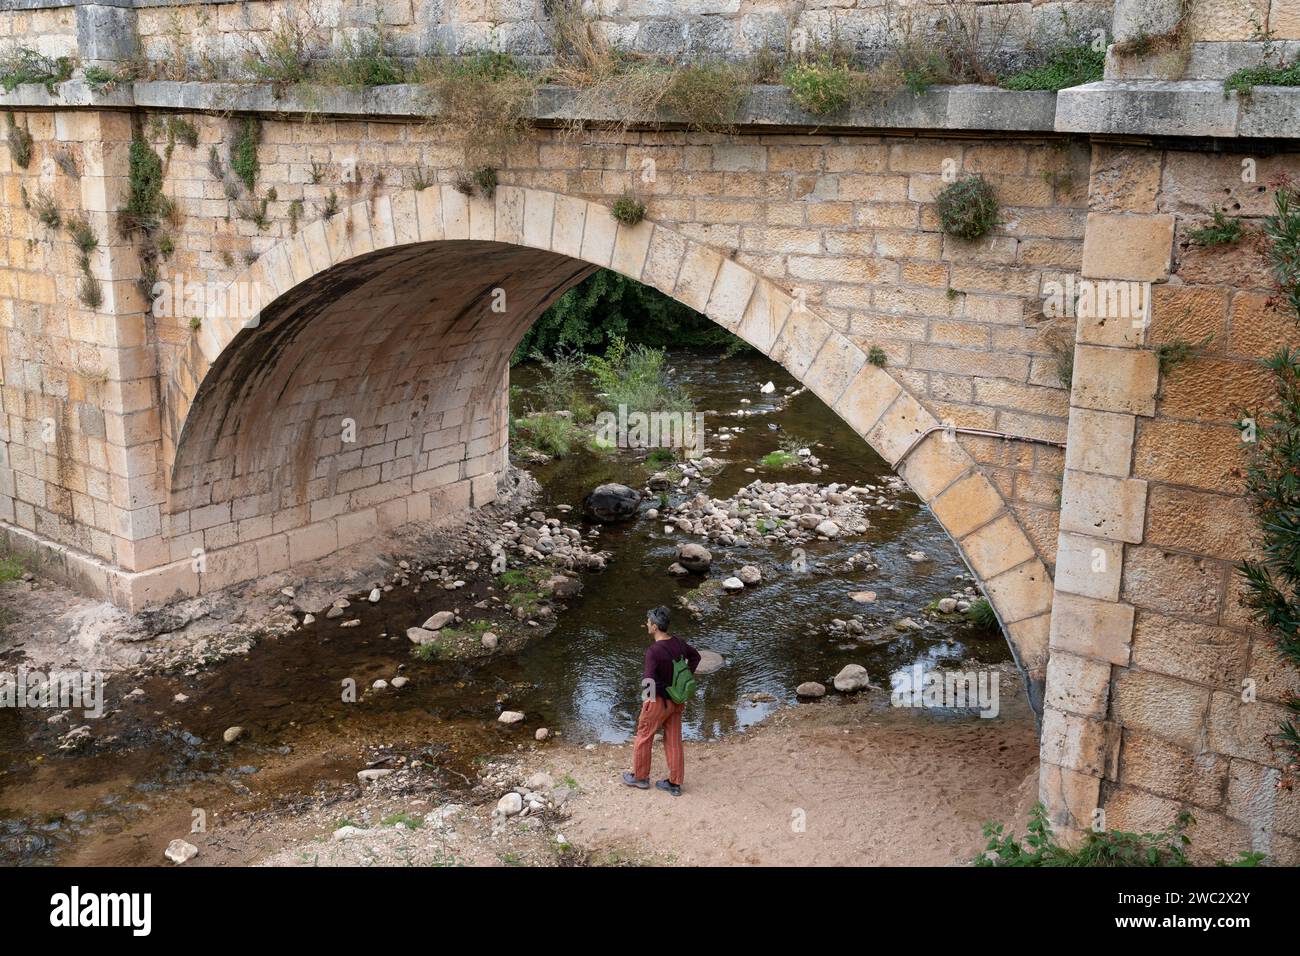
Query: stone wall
[1154, 662]
[219, 31]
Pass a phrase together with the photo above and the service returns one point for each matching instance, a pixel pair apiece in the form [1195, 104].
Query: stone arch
[393, 252]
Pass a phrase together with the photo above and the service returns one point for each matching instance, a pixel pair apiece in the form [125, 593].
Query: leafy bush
[636, 377]
[820, 86]
[608, 305]
[968, 208]
[1066, 66]
[554, 435]
[778, 459]
[877, 357]
[1110, 848]
[559, 387]
[485, 178]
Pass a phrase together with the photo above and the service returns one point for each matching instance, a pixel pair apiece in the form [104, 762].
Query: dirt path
[875, 786]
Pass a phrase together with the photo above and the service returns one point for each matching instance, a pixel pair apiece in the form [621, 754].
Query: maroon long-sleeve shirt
[660, 657]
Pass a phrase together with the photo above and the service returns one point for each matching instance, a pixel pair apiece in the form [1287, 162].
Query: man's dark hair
[659, 617]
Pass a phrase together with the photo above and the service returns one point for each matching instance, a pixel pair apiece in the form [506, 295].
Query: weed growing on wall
[627, 210]
[967, 208]
[20, 64]
[243, 151]
[820, 87]
[1066, 66]
[19, 141]
[1222, 231]
[482, 103]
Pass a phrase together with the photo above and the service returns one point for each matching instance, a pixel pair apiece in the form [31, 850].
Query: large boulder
[694, 557]
[612, 502]
[850, 678]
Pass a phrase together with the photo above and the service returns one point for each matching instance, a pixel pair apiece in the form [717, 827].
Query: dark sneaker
[674, 788]
[632, 781]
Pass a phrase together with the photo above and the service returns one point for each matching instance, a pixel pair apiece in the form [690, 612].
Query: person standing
[670, 667]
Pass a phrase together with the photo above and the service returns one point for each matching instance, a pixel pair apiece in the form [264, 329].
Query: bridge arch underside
[406, 350]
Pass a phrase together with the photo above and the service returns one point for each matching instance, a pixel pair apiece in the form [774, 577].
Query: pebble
[232, 734]
[852, 677]
[811, 689]
[510, 717]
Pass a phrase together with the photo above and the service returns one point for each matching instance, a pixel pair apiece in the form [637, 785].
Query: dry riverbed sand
[836, 782]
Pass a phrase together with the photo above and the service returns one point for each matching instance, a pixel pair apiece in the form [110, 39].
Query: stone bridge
[1095, 490]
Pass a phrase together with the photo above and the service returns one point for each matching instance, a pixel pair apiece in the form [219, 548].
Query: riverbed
[156, 757]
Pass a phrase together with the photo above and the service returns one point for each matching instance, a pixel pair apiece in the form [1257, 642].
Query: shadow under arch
[397, 317]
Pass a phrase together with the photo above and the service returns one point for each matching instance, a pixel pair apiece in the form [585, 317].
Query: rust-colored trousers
[656, 713]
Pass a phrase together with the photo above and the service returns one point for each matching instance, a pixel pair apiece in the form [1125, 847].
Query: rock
[355, 622]
[399, 682]
[561, 586]
[375, 595]
[851, 677]
[750, 575]
[947, 605]
[810, 688]
[419, 635]
[380, 684]
[308, 619]
[178, 851]
[710, 661]
[659, 481]
[510, 804]
[916, 556]
[334, 612]
[863, 597]
[694, 557]
[373, 774]
[768, 389]
[232, 734]
[510, 717]
[541, 734]
[907, 624]
[612, 502]
[440, 620]
[345, 833]
[677, 570]
[733, 584]
[828, 529]
[489, 640]
[541, 782]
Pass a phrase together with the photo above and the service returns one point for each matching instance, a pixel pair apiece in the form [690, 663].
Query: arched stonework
[370, 257]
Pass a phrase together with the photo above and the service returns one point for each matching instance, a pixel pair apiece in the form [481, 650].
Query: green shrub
[1243, 81]
[145, 203]
[877, 357]
[11, 568]
[1110, 848]
[627, 210]
[967, 208]
[636, 377]
[551, 434]
[779, 459]
[819, 86]
[90, 292]
[1222, 231]
[559, 387]
[980, 614]
[1066, 66]
[20, 64]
